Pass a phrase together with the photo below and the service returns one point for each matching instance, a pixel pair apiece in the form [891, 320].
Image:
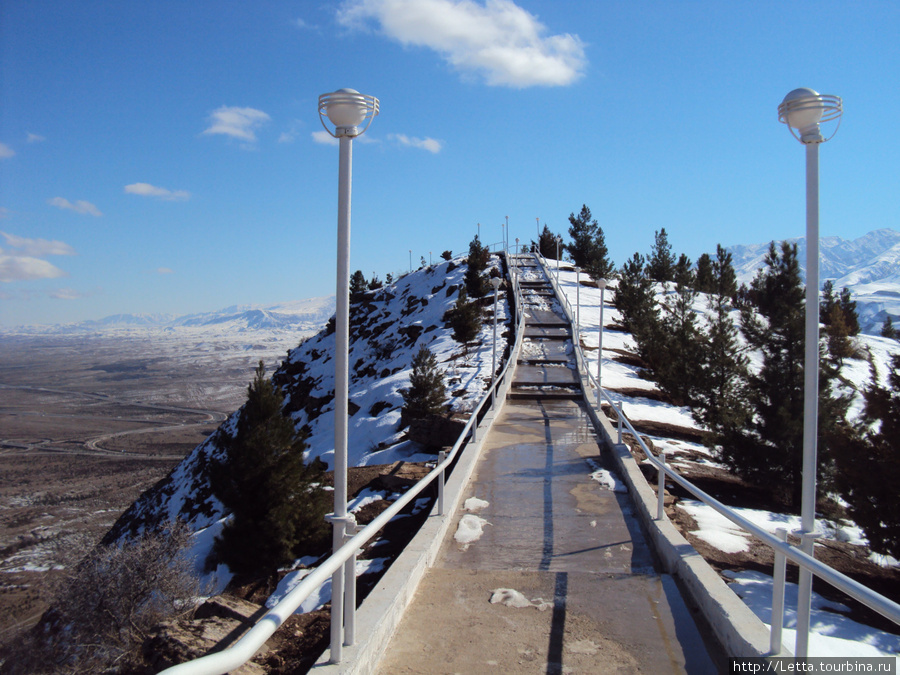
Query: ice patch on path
[513, 598]
[606, 479]
[470, 529]
[475, 504]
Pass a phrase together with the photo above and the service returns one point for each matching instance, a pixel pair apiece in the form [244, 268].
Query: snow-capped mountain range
[869, 266]
[299, 315]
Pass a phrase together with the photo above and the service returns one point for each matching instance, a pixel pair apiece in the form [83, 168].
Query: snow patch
[470, 529]
[475, 504]
[513, 598]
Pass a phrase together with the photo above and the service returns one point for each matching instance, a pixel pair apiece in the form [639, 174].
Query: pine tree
[547, 244]
[827, 302]
[600, 266]
[358, 284]
[588, 249]
[837, 332]
[768, 450]
[720, 402]
[869, 465]
[477, 285]
[582, 230]
[636, 301]
[426, 394]
[676, 349]
[704, 279]
[661, 264]
[634, 297]
[277, 512]
[887, 328]
[465, 319]
[723, 271]
[848, 308]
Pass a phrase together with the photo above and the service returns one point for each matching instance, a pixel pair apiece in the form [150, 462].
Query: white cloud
[23, 264]
[324, 138]
[499, 40]
[26, 268]
[164, 270]
[429, 144]
[67, 294]
[80, 206]
[6, 152]
[240, 123]
[37, 247]
[34, 138]
[147, 190]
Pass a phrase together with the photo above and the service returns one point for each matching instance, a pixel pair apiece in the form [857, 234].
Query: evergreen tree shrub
[768, 450]
[278, 511]
[661, 263]
[869, 465]
[464, 319]
[477, 285]
[426, 394]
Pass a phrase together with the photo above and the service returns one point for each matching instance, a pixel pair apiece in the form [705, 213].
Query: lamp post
[601, 284]
[578, 304]
[804, 110]
[516, 266]
[558, 242]
[346, 109]
[495, 282]
[538, 221]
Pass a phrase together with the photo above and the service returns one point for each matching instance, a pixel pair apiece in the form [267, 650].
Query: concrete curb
[736, 627]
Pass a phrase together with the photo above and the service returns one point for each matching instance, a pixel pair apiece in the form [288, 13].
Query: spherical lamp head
[805, 109]
[495, 282]
[601, 284]
[346, 109]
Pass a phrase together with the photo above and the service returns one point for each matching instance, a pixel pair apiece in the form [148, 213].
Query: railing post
[778, 580]
[442, 455]
[350, 600]
[804, 595]
[661, 487]
[621, 414]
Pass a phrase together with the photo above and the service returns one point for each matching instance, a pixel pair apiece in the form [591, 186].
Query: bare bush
[105, 606]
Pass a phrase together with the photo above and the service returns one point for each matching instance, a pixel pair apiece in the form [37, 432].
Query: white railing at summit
[244, 649]
[783, 550]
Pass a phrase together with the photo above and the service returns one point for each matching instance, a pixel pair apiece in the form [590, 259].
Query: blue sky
[167, 156]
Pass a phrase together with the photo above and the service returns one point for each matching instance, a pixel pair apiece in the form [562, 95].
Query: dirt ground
[86, 425]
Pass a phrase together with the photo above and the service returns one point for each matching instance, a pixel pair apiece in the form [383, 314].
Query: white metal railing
[783, 550]
[244, 649]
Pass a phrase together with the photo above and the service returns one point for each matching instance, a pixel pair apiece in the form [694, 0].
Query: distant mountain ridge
[869, 266]
[304, 315]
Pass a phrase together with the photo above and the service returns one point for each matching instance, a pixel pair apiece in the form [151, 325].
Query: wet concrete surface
[563, 549]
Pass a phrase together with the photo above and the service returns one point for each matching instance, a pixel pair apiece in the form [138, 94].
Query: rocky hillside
[388, 326]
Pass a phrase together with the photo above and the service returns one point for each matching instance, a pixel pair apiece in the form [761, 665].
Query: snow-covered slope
[388, 326]
[869, 266]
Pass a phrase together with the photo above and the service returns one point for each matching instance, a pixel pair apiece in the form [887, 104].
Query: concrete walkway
[561, 580]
